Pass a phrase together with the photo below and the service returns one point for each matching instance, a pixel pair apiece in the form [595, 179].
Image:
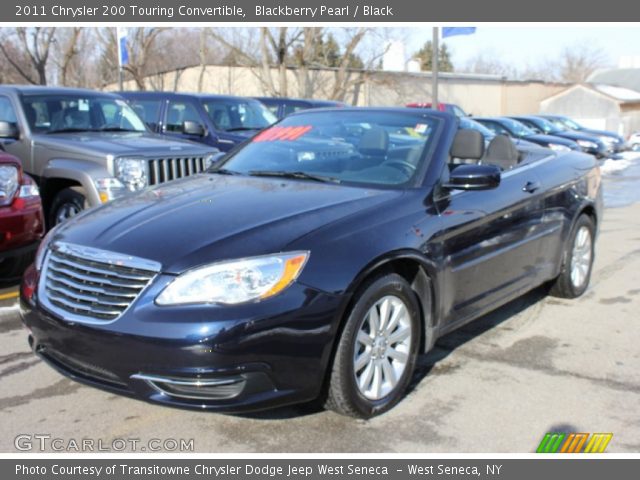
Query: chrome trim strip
[153, 382]
[105, 256]
[189, 383]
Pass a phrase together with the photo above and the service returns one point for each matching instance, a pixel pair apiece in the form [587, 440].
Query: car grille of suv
[165, 169]
[90, 285]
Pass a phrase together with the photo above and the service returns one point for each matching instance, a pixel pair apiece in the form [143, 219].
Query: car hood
[539, 137]
[603, 133]
[118, 143]
[209, 217]
[579, 136]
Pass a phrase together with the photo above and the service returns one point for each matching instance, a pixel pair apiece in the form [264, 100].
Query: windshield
[466, 122]
[567, 122]
[517, 128]
[547, 127]
[79, 113]
[232, 114]
[362, 147]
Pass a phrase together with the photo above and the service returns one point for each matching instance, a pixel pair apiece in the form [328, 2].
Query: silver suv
[85, 148]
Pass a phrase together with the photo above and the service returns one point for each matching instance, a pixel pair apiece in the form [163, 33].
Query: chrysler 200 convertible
[316, 261]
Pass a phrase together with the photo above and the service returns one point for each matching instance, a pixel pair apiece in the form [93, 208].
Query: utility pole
[434, 69]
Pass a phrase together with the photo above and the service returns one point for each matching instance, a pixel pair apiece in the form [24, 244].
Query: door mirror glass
[9, 130]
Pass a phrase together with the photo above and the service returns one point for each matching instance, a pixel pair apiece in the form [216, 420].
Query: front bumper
[235, 359]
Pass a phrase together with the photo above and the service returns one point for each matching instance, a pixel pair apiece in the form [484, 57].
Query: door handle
[531, 187]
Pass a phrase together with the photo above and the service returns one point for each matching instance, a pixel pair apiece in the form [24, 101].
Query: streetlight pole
[434, 69]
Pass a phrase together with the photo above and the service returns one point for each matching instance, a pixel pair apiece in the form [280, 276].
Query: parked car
[85, 148]
[588, 143]
[634, 141]
[615, 143]
[21, 219]
[321, 257]
[283, 106]
[515, 129]
[442, 107]
[221, 121]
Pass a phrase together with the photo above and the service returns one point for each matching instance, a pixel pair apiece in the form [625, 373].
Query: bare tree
[577, 63]
[277, 52]
[34, 44]
[69, 49]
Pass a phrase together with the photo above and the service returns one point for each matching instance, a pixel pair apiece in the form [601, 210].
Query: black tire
[67, 203]
[564, 286]
[344, 395]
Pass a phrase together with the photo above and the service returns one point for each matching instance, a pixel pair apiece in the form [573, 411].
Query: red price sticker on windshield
[281, 133]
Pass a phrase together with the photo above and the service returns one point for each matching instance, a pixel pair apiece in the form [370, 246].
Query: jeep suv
[221, 121]
[85, 148]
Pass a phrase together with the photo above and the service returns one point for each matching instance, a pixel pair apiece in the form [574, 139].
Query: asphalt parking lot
[539, 364]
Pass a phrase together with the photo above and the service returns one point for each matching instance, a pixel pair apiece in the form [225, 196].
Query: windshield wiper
[224, 171]
[117, 129]
[70, 130]
[296, 175]
[240, 129]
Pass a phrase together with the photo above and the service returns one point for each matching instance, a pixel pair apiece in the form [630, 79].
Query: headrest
[501, 152]
[374, 141]
[467, 144]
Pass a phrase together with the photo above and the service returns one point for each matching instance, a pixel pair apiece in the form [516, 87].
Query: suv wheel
[66, 204]
[377, 350]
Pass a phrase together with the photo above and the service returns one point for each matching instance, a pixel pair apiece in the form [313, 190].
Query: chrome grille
[166, 169]
[90, 285]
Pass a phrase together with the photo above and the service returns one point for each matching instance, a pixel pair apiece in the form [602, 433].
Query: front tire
[377, 350]
[578, 260]
[67, 204]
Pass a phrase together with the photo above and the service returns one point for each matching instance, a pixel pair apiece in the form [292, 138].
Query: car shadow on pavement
[447, 344]
[426, 363]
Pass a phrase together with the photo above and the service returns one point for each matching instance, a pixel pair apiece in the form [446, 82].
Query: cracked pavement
[539, 364]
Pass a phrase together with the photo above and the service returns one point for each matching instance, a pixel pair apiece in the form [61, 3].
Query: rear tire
[67, 204]
[578, 256]
[377, 350]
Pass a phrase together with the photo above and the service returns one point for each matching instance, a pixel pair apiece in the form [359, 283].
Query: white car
[634, 141]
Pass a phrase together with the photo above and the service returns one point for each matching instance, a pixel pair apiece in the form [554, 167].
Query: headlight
[8, 183]
[236, 281]
[559, 148]
[28, 188]
[587, 144]
[608, 140]
[42, 248]
[132, 172]
[109, 188]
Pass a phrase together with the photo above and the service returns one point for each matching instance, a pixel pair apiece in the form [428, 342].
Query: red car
[21, 218]
[442, 107]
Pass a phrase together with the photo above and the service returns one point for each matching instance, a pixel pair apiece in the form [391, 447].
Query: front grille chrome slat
[166, 169]
[92, 286]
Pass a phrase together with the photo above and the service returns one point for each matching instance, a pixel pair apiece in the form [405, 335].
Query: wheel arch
[420, 274]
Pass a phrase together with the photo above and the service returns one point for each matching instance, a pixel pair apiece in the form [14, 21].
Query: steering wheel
[402, 165]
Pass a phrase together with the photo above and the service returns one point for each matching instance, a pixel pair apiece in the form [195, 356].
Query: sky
[525, 45]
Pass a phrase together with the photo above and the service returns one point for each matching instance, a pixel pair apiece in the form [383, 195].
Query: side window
[147, 110]
[294, 107]
[179, 112]
[7, 113]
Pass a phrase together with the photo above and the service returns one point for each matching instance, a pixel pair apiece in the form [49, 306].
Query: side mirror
[193, 128]
[473, 177]
[9, 130]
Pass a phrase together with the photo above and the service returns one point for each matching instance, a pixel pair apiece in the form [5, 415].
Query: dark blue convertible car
[316, 261]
